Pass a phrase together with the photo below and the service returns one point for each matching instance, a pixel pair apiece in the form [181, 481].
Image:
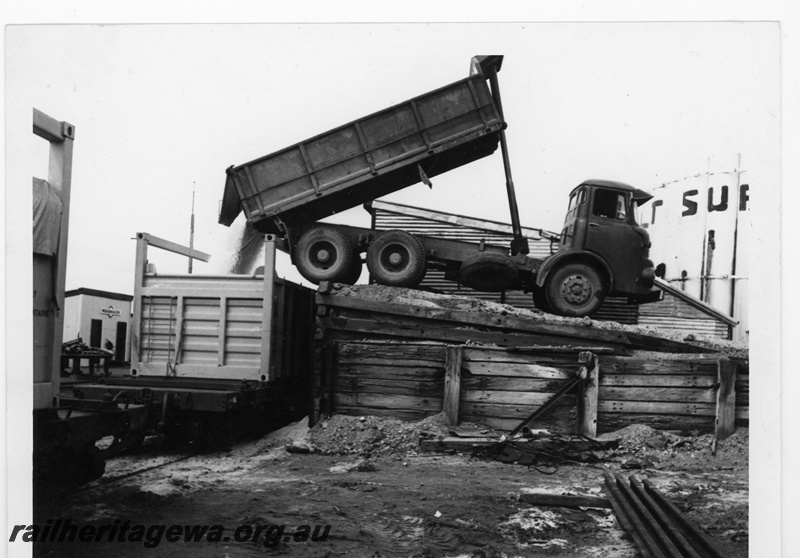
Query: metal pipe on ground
[699, 540]
[630, 521]
[659, 536]
[664, 521]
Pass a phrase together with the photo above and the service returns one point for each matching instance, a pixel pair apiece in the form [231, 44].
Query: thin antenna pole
[191, 231]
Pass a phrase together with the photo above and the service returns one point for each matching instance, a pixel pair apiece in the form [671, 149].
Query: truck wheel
[575, 289]
[488, 272]
[397, 259]
[324, 254]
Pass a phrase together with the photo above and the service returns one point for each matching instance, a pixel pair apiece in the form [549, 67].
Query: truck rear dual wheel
[325, 254]
[397, 259]
[575, 289]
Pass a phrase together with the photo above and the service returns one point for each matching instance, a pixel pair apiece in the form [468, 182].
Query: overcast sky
[162, 109]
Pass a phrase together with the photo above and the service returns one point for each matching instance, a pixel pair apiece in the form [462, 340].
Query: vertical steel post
[268, 325]
[736, 208]
[140, 269]
[59, 175]
[191, 233]
[520, 244]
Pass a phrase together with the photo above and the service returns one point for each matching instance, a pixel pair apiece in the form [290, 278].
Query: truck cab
[603, 251]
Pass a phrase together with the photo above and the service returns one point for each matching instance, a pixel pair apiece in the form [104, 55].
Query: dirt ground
[365, 478]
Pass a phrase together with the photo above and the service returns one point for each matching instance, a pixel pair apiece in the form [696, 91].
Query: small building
[100, 318]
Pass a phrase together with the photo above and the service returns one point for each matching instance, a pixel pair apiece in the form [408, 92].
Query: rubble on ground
[373, 436]
[639, 446]
[643, 447]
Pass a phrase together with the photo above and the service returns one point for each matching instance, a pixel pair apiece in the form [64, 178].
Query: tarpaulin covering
[46, 218]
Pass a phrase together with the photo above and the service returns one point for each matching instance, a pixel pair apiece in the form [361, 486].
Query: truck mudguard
[558, 258]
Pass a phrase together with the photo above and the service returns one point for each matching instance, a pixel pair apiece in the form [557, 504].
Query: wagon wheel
[397, 259]
[325, 254]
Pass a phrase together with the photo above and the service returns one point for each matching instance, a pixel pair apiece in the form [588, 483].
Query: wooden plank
[506, 356]
[379, 401]
[693, 366]
[611, 422]
[397, 361]
[653, 343]
[528, 324]
[587, 397]
[657, 408]
[726, 400]
[505, 383]
[383, 328]
[668, 394]
[452, 385]
[557, 420]
[424, 331]
[563, 500]
[387, 386]
[393, 353]
[534, 337]
[501, 410]
[563, 352]
[657, 380]
[537, 371]
[506, 397]
[385, 372]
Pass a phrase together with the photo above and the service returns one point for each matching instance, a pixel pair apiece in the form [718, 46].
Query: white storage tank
[699, 229]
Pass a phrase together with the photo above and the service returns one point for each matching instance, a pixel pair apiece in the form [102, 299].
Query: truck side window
[609, 204]
[577, 199]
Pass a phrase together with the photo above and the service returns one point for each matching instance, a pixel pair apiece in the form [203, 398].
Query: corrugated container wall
[234, 327]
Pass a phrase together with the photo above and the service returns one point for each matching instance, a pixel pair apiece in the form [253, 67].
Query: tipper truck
[602, 250]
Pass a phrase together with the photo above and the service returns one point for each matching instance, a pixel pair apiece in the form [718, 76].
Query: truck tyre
[575, 289]
[540, 299]
[488, 272]
[352, 276]
[397, 259]
[325, 254]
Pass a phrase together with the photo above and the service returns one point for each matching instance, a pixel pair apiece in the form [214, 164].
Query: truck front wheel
[575, 289]
[325, 254]
[397, 259]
